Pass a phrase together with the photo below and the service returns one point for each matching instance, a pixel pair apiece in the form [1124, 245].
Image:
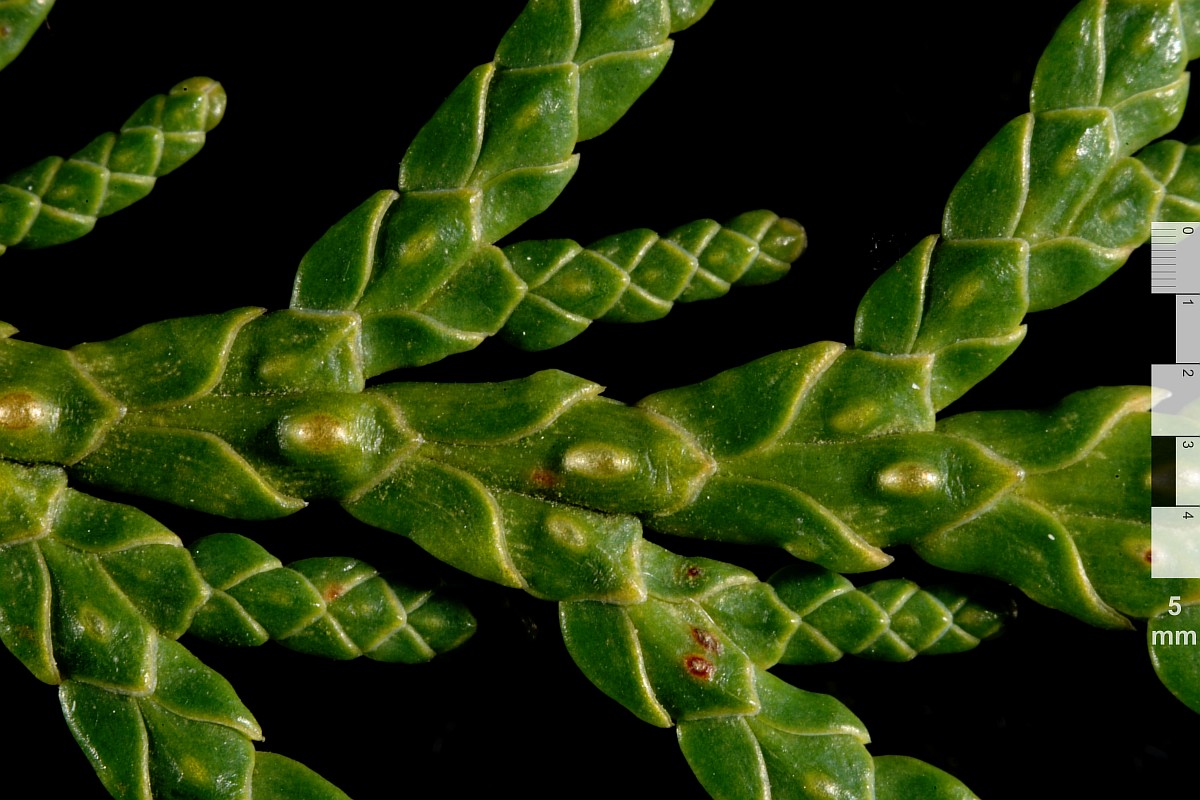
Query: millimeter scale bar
[1175, 420]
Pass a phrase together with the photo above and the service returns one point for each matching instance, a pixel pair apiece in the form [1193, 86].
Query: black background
[854, 119]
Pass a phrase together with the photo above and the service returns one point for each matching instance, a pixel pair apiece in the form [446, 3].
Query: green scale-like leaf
[666, 657]
[637, 276]
[1172, 639]
[335, 607]
[837, 460]
[498, 152]
[56, 200]
[891, 620]
[1177, 167]
[50, 410]
[692, 653]
[1074, 533]
[800, 745]
[277, 777]
[91, 596]
[241, 413]
[90, 585]
[827, 452]
[19, 19]
[903, 778]
[93, 592]
[1050, 207]
[495, 492]
[189, 737]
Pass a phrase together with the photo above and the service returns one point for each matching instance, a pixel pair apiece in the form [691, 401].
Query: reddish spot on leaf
[1148, 556]
[699, 667]
[693, 572]
[333, 592]
[706, 640]
[544, 478]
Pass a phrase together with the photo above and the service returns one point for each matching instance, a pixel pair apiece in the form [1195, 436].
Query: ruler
[1175, 421]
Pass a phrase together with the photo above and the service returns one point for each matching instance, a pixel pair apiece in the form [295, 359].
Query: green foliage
[892, 620]
[19, 19]
[541, 483]
[333, 607]
[55, 200]
[637, 276]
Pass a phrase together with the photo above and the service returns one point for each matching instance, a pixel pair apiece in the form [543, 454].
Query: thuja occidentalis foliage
[276, 234]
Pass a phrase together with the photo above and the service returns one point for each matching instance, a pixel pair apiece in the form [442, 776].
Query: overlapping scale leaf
[90, 589]
[637, 276]
[693, 654]
[888, 489]
[1074, 534]
[57, 200]
[413, 336]
[241, 414]
[553, 550]
[295, 351]
[904, 778]
[563, 552]
[445, 511]
[893, 620]
[497, 152]
[334, 607]
[1052, 206]
[27, 500]
[26, 599]
[812, 394]
[189, 736]
[754, 511]
[167, 362]
[800, 745]
[95, 632]
[683, 665]
[1171, 639]
[496, 492]
[955, 313]
[747, 610]
[826, 452]
[278, 777]
[146, 562]
[192, 738]
[91, 598]
[50, 410]
[501, 412]
[1177, 167]
[597, 453]
[690, 647]
[20, 20]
